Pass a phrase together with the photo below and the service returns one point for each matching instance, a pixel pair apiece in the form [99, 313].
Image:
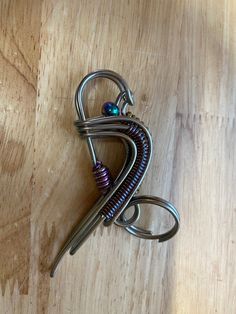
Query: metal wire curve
[120, 194]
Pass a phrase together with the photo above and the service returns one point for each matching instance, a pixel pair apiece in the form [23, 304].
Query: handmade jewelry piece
[121, 193]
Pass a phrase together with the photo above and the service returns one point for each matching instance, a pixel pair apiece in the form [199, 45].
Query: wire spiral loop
[102, 177]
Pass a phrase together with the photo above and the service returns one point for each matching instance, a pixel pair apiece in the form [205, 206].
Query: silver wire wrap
[112, 206]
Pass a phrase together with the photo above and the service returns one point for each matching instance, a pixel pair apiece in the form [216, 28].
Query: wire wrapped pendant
[120, 194]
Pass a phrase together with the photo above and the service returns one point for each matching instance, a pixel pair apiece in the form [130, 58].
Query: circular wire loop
[147, 234]
[122, 221]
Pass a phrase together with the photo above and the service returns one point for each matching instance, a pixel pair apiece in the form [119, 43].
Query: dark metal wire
[120, 194]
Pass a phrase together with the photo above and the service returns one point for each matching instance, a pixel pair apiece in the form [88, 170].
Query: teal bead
[110, 109]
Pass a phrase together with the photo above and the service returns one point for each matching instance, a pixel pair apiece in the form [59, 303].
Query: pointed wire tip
[72, 252]
[52, 273]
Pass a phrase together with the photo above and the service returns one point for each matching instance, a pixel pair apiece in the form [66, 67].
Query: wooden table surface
[179, 58]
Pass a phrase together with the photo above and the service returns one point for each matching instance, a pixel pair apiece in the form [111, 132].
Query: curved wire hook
[125, 93]
[108, 74]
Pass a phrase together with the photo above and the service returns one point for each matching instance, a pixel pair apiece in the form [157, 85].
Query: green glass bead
[110, 109]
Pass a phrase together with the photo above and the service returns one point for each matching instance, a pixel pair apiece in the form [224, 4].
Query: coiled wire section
[119, 199]
[130, 184]
[102, 177]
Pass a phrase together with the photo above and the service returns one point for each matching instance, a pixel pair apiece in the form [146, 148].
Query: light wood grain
[179, 58]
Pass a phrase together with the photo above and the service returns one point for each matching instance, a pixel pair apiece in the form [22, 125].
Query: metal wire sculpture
[120, 194]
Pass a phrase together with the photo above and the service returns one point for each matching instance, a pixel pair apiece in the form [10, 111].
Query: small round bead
[110, 109]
